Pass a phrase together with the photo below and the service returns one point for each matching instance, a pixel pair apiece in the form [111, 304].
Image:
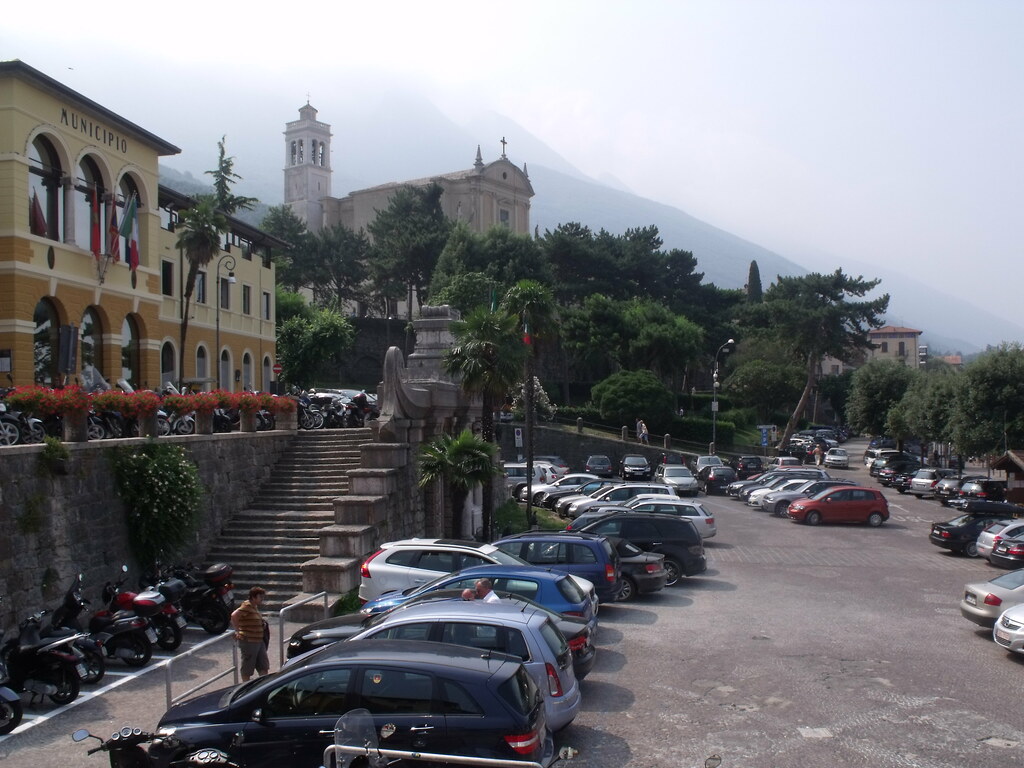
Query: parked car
[411, 562]
[747, 466]
[983, 489]
[579, 553]
[844, 504]
[674, 537]
[777, 501]
[1009, 629]
[877, 453]
[887, 474]
[706, 461]
[895, 458]
[515, 475]
[754, 494]
[513, 628]
[997, 531]
[696, 512]
[615, 495]
[948, 488]
[779, 476]
[901, 481]
[1008, 553]
[837, 458]
[635, 467]
[417, 689]
[679, 477]
[642, 572]
[560, 464]
[594, 513]
[961, 533]
[599, 465]
[983, 601]
[558, 500]
[783, 461]
[569, 482]
[714, 478]
[926, 479]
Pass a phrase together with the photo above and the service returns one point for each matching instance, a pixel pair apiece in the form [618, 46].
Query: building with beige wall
[73, 306]
[891, 342]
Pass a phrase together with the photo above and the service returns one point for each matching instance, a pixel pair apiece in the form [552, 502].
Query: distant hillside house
[892, 342]
[486, 195]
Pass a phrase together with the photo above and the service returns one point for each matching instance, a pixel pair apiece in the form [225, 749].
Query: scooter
[208, 599]
[10, 703]
[43, 667]
[126, 751]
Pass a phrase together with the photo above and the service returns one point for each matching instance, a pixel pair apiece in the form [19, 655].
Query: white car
[515, 475]
[617, 494]
[837, 458]
[574, 480]
[756, 498]
[1009, 629]
[702, 519]
[995, 532]
[679, 477]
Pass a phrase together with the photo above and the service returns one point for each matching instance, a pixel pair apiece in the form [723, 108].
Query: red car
[841, 504]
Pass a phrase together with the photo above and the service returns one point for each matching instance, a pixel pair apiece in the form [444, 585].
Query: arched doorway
[45, 343]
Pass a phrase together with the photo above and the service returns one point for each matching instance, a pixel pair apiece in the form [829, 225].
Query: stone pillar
[148, 426]
[204, 422]
[247, 422]
[75, 426]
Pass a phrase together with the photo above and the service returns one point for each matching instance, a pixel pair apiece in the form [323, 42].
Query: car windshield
[677, 472]
[635, 461]
[1011, 580]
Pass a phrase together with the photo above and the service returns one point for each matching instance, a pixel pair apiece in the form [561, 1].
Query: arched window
[126, 190]
[130, 353]
[202, 364]
[88, 189]
[320, 158]
[266, 374]
[300, 150]
[45, 193]
[45, 343]
[247, 372]
[224, 372]
[293, 153]
[168, 364]
[90, 358]
[312, 151]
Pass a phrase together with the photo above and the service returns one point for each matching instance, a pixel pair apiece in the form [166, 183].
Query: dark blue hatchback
[582, 554]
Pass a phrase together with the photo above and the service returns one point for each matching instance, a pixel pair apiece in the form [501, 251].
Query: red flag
[95, 238]
[113, 235]
[37, 223]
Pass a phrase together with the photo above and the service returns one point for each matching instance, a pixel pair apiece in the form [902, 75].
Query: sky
[834, 132]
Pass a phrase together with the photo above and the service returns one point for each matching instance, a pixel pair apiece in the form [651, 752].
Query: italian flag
[130, 229]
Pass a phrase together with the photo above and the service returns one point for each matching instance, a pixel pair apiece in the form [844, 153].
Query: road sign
[277, 369]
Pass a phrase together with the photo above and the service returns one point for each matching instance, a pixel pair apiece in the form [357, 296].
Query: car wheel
[781, 508]
[674, 571]
[971, 550]
[875, 519]
[813, 518]
[901, 490]
[919, 495]
[627, 590]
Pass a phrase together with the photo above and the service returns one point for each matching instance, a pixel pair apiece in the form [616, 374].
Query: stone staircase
[280, 530]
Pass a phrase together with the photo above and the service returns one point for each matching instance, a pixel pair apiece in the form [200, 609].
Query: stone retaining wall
[54, 526]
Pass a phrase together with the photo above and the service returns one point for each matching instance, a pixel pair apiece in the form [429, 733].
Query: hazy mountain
[399, 135]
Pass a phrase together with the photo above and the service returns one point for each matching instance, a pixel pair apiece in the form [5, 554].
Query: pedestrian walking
[818, 454]
[641, 432]
[252, 632]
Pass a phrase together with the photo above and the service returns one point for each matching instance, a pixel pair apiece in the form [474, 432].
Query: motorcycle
[43, 667]
[208, 599]
[156, 603]
[10, 703]
[18, 428]
[309, 414]
[126, 751]
[120, 634]
[93, 661]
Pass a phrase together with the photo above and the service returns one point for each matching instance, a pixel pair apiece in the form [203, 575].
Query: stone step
[290, 504]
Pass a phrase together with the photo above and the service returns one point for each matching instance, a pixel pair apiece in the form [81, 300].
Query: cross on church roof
[503, 143]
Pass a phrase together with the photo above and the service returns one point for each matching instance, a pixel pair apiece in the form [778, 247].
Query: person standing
[818, 454]
[251, 633]
[641, 432]
[485, 592]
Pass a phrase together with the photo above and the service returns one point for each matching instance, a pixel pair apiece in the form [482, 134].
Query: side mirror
[80, 735]
[257, 715]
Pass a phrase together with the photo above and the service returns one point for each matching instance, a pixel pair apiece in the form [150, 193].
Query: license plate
[151, 634]
[80, 668]
[1005, 636]
[180, 620]
[227, 598]
[971, 599]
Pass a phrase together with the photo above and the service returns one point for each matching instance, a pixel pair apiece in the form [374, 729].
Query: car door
[296, 719]
[835, 508]
[433, 563]
[403, 700]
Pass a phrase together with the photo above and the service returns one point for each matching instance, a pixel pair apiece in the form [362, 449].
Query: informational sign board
[519, 437]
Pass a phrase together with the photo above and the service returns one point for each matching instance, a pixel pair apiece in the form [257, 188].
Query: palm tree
[487, 357]
[459, 462]
[534, 305]
[202, 227]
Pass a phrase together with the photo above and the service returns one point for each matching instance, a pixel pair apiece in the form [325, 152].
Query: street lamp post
[230, 261]
[714, 397]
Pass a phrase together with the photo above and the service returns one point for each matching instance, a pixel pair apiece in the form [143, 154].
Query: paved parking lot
[829, 646]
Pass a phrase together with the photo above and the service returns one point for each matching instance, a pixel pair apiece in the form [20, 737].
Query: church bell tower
[307, 170]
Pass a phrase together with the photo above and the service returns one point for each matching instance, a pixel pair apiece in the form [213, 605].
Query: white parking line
[33, 719]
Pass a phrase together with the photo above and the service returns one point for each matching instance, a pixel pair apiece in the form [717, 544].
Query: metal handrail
[175, 659]
[280, 620]
[397, 754]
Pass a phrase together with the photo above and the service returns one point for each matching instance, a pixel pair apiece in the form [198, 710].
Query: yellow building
[82, 300]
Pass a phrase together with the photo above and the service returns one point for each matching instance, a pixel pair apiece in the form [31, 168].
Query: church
[483, 196]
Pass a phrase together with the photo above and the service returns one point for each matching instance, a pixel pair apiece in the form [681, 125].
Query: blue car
[555, 590]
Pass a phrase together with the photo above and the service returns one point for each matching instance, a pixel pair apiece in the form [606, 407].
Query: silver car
[702, 519]
[616, 494]
[926, 479]
[995, 532]
[507, 626]
[778, 501]
[575, 480]
[679, 477]
[983, 601]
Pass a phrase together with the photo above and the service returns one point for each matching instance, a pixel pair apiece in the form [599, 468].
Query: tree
[338, 258]
[408, 237]
[466, 292]
[459, 462]
[755, 294]
[836, 389]
[306, 343]
[764, 385]
[877, 386]
[659, 340]
[813, 316]
[288, 304]
[224, 177]
[291, 262]
[626, 395]
[201, 228]
[487, 357]
[989, 415]
[927, 408]
[534, 305]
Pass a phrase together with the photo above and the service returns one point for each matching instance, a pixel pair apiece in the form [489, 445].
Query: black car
[1008, 553]
[714, 479]
[888, 473]
[892, 459]
[642, 572]
[961, 533]
[983, 489]
[432, 697]
[670, 535]
[901, 481]
[635, 467]
[948, 488]
[747, 466]
[599, 465]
